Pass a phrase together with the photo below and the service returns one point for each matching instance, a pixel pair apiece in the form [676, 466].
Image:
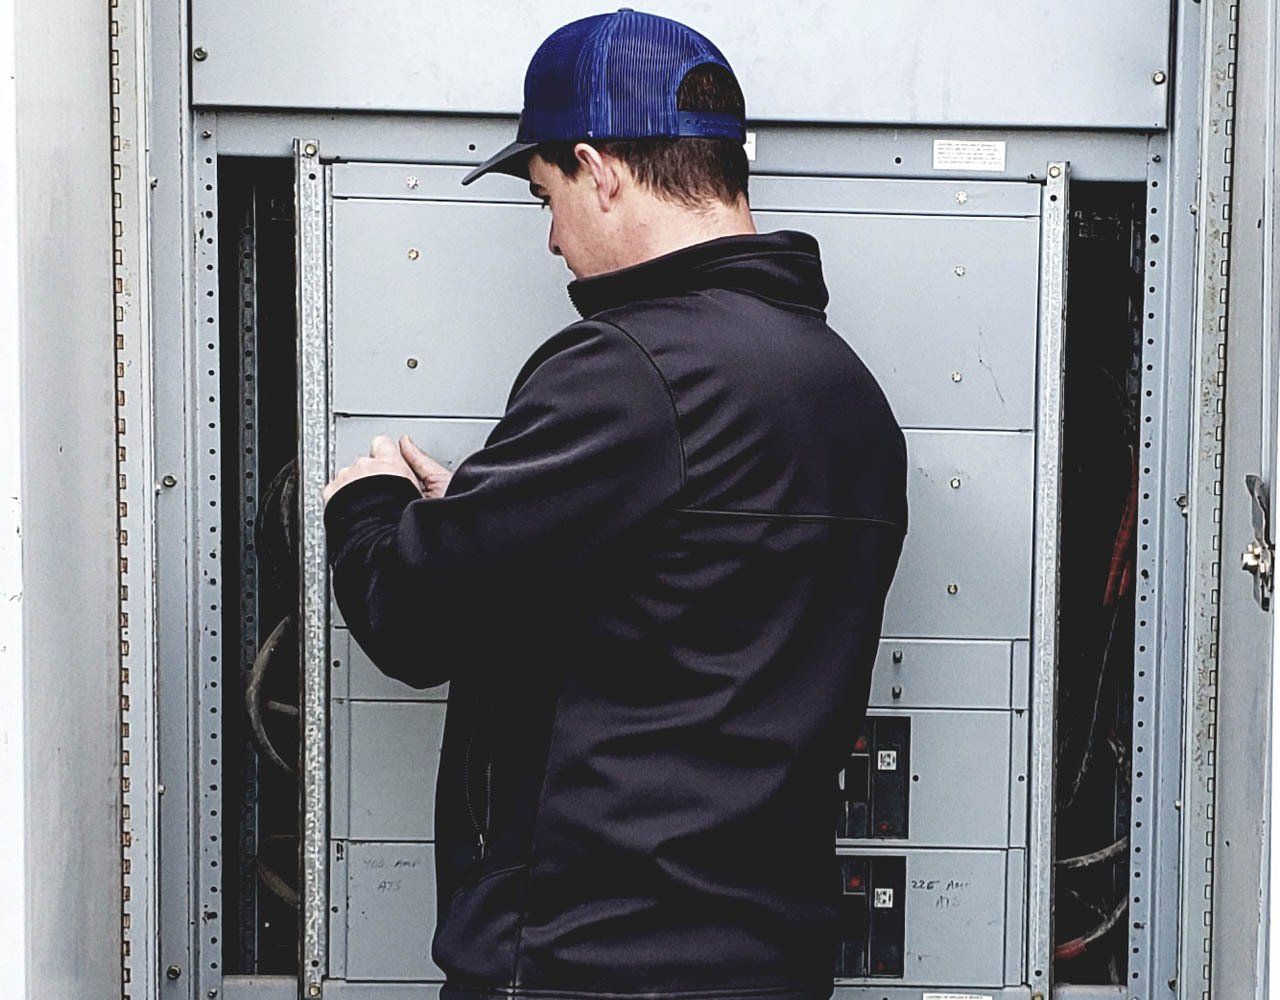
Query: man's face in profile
[580, 230]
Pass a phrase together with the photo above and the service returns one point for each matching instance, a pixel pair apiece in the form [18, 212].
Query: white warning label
[968, 154]
[955, 996]
[750, 145]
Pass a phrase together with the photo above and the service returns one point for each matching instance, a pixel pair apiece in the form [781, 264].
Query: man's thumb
[419, 461]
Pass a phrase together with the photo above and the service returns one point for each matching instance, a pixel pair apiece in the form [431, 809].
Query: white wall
[59, 672]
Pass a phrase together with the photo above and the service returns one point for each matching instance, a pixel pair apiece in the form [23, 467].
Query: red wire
[1120, 575]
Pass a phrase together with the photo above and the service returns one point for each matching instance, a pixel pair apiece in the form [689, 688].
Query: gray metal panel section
[446, 440]
[385, 758]
[955, 917]
[786, 148]
[1204, 492]
[1015, 969]
[388, 901]
[1020, 697]
[1019, 777]
[354, 675]
[942, 309]
[889, 196]
[1244, 819]
[135, 412]
[286, 988]
[313, 572]
[975, 537]
[437, 305]
[962, 762]
[923, 673]
[1088, 64]
[170, 162]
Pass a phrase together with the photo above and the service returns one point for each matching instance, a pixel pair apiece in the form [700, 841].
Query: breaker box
[999, 193]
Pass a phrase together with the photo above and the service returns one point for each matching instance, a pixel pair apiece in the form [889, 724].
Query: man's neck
[673, 227]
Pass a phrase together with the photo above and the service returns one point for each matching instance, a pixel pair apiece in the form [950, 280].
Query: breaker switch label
[887, 760]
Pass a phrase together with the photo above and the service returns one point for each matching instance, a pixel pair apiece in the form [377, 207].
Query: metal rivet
[310, 149]
[200, 55]
[1158, 77]
[313, 990]
[169, 481]
[412, 362]
[962, 196]
[896, 691]
[959, 270]
[411, 182]
[159, 789]
[955, 482]
[897, 656]
[956, 376]
[206, 134]
[1055, 171]
[173, 972]
[952, 588]
[413, 253]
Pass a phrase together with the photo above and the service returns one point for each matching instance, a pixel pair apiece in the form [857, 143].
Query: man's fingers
[383, 447]
[419, 461]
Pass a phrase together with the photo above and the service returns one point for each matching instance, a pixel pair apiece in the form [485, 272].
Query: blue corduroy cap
[612, 76]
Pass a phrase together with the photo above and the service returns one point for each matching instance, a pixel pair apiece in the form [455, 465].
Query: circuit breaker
[938, 286]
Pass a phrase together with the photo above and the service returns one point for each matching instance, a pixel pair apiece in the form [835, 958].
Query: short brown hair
[689, 171]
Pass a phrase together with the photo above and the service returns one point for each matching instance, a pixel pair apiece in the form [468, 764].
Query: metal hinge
[1259, 554]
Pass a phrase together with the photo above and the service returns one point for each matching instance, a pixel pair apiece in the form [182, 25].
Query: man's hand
[407, 460]
[433, 477]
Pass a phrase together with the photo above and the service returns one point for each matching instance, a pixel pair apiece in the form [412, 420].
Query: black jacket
[656, 593]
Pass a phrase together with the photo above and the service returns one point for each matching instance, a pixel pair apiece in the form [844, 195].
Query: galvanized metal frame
[1204, 495]
[1051, 363]
[310, 200]
[135, 470]
[1158, 883]
[207, 585]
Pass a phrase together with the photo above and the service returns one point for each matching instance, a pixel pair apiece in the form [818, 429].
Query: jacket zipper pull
[480, 838]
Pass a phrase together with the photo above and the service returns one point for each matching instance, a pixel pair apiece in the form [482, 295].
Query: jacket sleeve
[588, 448]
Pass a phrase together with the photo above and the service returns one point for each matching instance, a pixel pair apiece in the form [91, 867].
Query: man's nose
[552, 245]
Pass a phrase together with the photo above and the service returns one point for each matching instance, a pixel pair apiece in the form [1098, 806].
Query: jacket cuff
[381, 497]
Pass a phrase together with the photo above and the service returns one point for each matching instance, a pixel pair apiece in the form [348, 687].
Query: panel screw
[313, 990]
[309, 149]
[1158, 77]
[206, 134]
[952, 588]
[200, 55]
[173, 972]
[955, 482]
[959, 270]
[1055, 171]
[962, 197]
[956, 376]
[897, 656]
[413, 253]
[411, 182]
[169, 481]
[412, 362]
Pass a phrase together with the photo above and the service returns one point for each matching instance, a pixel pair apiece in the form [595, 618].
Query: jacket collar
[783, 267]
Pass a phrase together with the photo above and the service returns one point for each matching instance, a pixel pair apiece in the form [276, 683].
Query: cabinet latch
[1259, 554]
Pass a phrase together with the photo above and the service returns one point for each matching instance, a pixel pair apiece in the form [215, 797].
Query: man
[657, 590]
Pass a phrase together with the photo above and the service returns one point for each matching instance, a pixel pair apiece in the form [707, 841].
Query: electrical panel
[938, 286]
[1006, 246]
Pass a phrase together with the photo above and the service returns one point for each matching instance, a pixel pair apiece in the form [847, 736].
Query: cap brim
[511, 159]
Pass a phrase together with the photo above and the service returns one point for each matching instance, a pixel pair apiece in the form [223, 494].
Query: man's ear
[604, 173]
